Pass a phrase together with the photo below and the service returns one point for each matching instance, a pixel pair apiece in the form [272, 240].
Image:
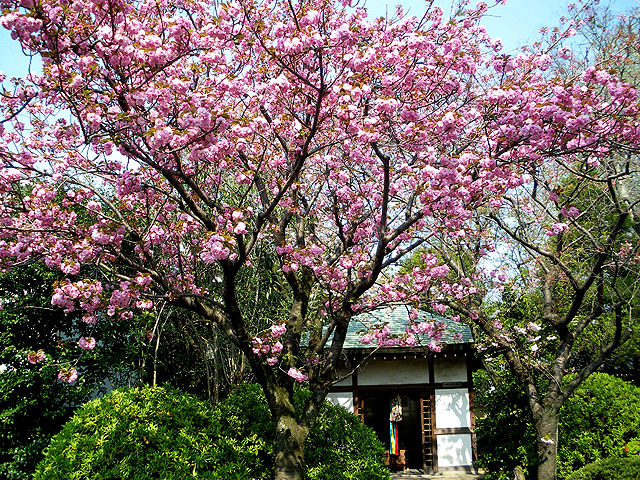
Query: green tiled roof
[396, 319]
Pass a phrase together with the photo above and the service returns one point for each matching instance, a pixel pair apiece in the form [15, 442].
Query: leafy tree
[596, 422]
[610, 39]
[34, 403]
[198, 134]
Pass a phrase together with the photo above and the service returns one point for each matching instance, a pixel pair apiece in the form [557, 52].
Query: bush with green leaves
[632, 448]
[596, 422]
[609, 469]
[145, 433]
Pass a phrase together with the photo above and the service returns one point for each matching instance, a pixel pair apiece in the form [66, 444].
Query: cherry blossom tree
[566, 248]
[167, 142]
[566, 245]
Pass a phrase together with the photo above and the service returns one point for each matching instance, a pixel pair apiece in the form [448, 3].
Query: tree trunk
[547, 444]
[291, 434]
[290, 438]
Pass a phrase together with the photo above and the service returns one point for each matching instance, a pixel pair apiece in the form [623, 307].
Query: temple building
[418, 401]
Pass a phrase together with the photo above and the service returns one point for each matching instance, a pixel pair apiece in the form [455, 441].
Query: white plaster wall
[342, 399]
[454, 450]
[450, 369]
[394, 372]
[452, 408]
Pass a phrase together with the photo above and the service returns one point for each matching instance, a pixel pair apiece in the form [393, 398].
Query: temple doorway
[376, 408]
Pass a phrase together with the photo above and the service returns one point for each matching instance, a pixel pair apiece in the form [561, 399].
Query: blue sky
[516, 23]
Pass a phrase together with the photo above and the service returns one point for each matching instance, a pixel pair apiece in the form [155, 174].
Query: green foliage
[505, 434]
[597, 421]
[162, 433]
[609, 469]
[144, 433]
[33, 403]
[339, 447]
[632, 448]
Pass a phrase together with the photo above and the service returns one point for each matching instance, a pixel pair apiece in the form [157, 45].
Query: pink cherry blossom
[68, 374]
[278, 330]
[570, 212]
[297, 375]
[36, 356]
[557, 229]
[367, 339]
[87, 343]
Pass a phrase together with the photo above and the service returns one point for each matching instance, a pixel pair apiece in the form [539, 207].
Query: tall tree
[195, 133]
[564, 245]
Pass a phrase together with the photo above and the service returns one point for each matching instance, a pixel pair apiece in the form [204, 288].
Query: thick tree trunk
[291, 433]
[547, 444]
[290, 438]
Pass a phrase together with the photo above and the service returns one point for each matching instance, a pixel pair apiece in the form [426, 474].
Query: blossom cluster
[269, 344]
[36, 356]
[416, 333]
[199, 131]
[68, 374]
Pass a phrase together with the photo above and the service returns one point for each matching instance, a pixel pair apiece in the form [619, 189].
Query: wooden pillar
[472, 407]
[434, 437]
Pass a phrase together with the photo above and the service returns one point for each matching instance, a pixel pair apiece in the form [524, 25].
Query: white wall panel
[450, 369]
[394, 372]
[342, 399]
[454, 450]
[452, 408]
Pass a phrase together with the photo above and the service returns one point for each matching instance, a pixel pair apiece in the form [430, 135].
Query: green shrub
[147, 433]
[162, 433]
[609, 469]
[632, 448]
[597, 421]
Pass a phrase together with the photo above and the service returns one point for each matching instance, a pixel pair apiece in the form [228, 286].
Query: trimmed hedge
[609, 469]
[145, 433]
